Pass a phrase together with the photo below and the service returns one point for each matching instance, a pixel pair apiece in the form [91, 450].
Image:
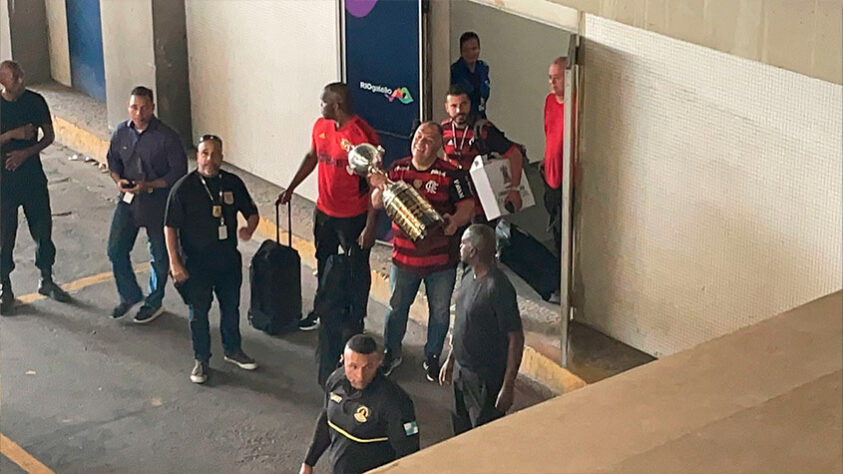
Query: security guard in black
[201, 232]
[363, 428]
[200, 206]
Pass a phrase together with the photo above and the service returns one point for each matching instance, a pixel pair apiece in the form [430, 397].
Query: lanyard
[211, 197]
[462, 142]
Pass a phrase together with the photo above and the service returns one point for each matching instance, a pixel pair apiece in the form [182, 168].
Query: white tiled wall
[710, 191]
[257, 69]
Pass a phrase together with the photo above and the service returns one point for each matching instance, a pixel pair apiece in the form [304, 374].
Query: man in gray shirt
[488, 339]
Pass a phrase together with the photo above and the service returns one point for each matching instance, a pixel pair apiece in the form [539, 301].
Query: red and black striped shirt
[444, 184]
[462, 146]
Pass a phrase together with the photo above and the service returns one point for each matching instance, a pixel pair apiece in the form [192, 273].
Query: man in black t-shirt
[201, 233]
[23, 183]
[487, 341]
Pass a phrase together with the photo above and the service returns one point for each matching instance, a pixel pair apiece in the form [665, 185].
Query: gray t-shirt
[487, 310]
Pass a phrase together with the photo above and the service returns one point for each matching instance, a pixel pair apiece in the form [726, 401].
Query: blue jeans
[121, 240]
[404, 285]
[222, 280]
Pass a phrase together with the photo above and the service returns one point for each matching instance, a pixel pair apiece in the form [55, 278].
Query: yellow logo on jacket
[362, 414]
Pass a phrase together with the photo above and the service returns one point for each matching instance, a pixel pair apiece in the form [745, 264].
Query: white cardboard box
[492, 180]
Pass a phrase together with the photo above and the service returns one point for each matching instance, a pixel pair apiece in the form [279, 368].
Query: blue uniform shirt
[156, 153]
[476, 84]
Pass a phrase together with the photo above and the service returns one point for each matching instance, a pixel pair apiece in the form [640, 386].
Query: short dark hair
[341, 90]
[456, 90]
[468, 36]
[362, 344]
[142, 91]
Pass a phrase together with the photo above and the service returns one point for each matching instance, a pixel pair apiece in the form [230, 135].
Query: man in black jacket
[367, 420]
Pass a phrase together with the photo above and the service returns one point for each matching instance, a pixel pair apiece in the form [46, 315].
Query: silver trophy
[403, 203]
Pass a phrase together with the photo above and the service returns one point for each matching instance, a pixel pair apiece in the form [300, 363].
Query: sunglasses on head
[209, 136]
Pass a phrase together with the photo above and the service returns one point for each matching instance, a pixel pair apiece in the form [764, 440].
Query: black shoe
[147, 314]
[7, 300]
[309, 323]
[431, 368]
[240, 359]
[199, 374]
[49, 289]
[121, 309]
[390, 363]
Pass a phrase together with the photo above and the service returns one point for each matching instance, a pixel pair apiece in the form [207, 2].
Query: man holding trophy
[424, 249]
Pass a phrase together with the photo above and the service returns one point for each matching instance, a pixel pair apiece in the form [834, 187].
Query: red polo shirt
[341, 194]
[554, 136]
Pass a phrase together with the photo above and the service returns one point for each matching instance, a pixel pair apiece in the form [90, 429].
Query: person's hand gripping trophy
[403, 203]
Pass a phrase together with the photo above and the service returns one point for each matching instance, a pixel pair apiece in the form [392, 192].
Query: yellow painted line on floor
[19, 456]
[81, 283]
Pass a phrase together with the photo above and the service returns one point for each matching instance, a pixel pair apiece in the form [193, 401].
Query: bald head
[478, 245]
[337, 94]
[11, 78]
[556, 77]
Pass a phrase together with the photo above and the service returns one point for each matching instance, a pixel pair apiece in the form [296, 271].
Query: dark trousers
[474, 399]
[553, 204]
[331, 233]
[222, 279]
[35, 201]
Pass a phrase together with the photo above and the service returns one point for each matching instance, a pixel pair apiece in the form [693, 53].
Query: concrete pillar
[27, 41]
[145, 43]
[5, 34]
[171, 68]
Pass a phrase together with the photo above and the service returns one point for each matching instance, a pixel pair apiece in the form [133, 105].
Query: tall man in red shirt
[433, 259]
[554, 136]
[466, 136]
[344, 215]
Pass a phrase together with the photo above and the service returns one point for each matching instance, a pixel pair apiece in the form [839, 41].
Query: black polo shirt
[190, 210]
[29, 108]
[364, 429]
[487, 310]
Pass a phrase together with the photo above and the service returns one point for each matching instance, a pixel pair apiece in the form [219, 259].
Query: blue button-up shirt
[155, 153]
[476, 84]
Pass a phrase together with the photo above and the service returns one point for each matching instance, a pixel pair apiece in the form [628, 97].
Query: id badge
[216, 211]
[223, 232]
[127, 197]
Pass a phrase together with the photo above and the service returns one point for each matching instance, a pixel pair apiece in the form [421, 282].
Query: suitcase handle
[289, 223]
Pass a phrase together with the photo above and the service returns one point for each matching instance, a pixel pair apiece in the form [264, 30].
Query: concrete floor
[84, 393]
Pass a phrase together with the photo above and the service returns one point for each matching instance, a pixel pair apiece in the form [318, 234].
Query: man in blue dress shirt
[145, 158]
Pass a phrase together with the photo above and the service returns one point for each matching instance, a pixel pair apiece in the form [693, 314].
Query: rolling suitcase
[275, 279]
[529, 259]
